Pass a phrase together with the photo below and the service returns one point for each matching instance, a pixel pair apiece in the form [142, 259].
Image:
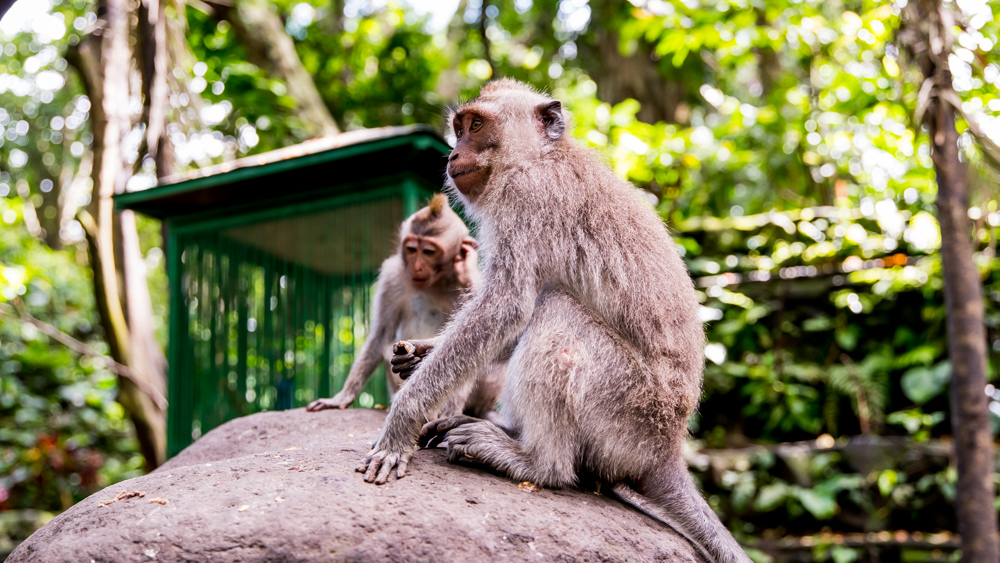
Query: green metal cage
[271, 261]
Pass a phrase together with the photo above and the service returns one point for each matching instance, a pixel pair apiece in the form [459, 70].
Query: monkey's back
[599, 241]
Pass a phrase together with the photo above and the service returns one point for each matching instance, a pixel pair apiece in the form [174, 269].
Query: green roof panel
[314, 169]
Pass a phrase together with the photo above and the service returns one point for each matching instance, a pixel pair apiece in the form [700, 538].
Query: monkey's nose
[453, 156]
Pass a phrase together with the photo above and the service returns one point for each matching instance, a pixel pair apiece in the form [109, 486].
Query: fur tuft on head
[437, 205]
[436, 219]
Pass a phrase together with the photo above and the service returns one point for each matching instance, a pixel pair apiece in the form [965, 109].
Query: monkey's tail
[674, 500]
[629, 496]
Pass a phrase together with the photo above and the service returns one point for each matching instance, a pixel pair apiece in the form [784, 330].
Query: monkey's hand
[341, 400]
[467, 263]
[406, 356]
[387, 453]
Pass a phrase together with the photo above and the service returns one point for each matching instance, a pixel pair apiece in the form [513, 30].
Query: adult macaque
[417, 290]
[585, 285]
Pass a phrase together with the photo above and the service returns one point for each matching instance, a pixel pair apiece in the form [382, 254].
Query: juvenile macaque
[417, 290]
[585, 286]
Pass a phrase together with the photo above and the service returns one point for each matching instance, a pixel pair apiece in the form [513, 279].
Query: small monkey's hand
[407, 356]
[384, 456]
[341, 400]
[467, 263]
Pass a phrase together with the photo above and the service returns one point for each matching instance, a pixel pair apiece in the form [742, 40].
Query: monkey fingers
[378, 464]
[433, 433]
[407, 355]
[403, 348]
[332, 403]
[404, 366]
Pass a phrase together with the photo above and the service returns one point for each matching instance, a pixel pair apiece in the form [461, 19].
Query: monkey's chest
[425, 320]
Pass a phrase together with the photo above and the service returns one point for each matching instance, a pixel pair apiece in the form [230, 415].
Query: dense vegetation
[781, 141]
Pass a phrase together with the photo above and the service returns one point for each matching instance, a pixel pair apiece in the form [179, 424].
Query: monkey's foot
[484, 442]
[433, 433]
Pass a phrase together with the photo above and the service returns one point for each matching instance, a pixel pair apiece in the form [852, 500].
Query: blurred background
[783, 142]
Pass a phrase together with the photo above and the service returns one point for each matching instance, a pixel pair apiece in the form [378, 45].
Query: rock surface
[281, 486]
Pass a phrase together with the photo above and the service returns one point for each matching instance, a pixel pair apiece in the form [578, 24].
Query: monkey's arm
[386, 311]
[495, 315]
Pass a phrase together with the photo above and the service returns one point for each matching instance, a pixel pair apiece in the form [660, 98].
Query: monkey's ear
[551, 116]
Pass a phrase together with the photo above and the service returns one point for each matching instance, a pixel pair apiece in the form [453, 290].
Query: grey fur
[583, 281]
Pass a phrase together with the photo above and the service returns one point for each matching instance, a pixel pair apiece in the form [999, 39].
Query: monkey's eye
[428, 252]
[411, 249]
[476, 125]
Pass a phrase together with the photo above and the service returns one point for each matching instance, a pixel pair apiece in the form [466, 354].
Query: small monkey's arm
[385, 319]
[480, 331]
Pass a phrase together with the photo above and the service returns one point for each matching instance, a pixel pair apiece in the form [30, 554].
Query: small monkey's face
[469, 163]
[425, 260]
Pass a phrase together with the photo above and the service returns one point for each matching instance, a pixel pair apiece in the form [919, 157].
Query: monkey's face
[508, 123]
[469, 165]
[425, 260]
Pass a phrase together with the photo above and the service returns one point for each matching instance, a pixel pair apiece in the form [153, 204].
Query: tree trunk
[975, 494]
[268, 45]
[638, 75]
[104, 61]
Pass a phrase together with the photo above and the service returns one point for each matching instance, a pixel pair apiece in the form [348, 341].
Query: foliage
[780, 147]
[62, 435]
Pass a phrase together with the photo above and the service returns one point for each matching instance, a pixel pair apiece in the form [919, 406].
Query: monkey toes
[467, 440]
[433, 433]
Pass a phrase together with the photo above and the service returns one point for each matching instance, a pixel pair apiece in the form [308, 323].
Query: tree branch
[83, 349]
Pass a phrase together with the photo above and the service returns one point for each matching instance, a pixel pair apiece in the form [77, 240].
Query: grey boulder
[281, 486]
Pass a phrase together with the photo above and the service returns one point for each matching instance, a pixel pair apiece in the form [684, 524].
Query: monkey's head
[509, 122]
[430, 240]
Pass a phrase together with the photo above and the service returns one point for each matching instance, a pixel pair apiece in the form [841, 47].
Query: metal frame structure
[270, 261]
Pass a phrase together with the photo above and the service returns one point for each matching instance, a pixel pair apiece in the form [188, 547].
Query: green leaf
[821, 506]
[921, 384]
[847, 338]
[841, 554]
[771, 496]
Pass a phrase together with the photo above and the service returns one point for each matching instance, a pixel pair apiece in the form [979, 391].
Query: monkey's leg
[488, 444]
[568, 362]
[542, 443]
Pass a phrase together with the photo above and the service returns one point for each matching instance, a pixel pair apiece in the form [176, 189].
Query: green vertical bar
[269, 341]
[323, 369]
[178, 410]
[411, 197]
[243, 296]
[210, 382]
